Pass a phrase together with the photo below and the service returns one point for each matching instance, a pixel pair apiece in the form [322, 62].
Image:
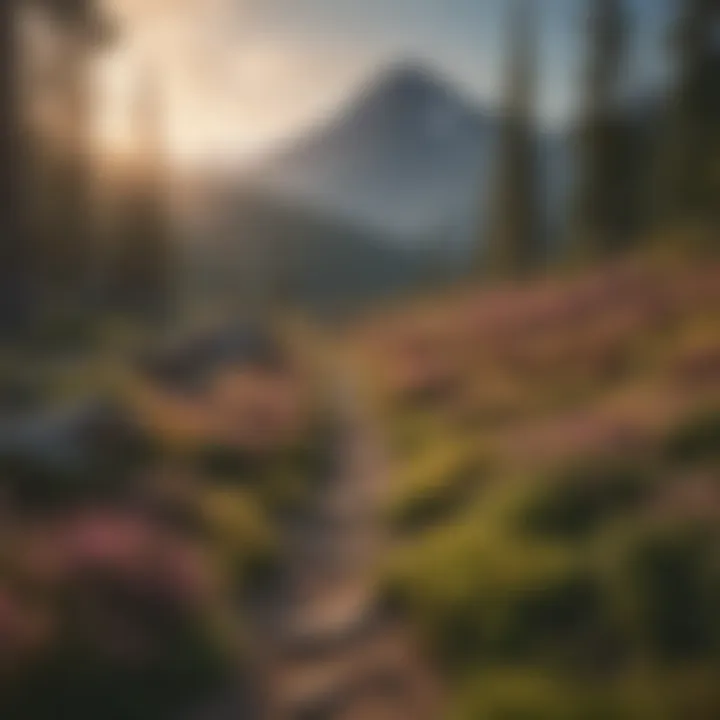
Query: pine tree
[513, 233]
[140, 281]
[43, 207]
[15, 271]
[601, 212]
[61, 166]
[688, 188]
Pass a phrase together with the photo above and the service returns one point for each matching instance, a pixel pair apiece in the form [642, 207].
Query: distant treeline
[639, 172]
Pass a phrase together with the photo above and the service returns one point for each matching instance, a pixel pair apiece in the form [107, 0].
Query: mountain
[384, 195]
[410, 154]
[407, 155]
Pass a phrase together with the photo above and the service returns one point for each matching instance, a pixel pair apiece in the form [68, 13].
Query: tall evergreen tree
[43, 207]
[688, 189]
[140, 276]
[602, 208]
[62, 166]
[15, 271]
[513, 233]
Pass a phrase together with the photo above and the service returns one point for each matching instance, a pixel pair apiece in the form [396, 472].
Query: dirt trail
[326, 648]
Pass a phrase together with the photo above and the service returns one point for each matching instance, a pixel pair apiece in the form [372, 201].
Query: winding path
[323, 646]
[327, 650]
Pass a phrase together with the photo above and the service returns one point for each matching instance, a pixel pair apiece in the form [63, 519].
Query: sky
[235, 77]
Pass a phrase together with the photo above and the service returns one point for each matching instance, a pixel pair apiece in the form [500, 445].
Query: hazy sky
[237, 75]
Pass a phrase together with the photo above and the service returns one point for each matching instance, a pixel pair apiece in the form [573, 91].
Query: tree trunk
[15, 276]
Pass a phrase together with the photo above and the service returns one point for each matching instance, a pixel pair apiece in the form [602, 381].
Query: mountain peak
[410, 74]
[405, 95]
[408, 81]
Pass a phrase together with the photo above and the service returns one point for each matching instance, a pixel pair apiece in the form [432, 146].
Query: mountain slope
[410, 155]
[264, 249]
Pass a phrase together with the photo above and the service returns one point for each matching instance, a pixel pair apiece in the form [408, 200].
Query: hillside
[556, 490]
[266, 249]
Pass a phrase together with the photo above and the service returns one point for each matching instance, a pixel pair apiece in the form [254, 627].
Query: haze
[237, 76]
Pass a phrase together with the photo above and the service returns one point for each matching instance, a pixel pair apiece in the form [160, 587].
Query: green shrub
[577, 501]
[439, 483]
[669, 580]
[695, 440]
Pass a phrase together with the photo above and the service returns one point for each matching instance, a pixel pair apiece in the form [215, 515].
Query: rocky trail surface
[323, 644]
